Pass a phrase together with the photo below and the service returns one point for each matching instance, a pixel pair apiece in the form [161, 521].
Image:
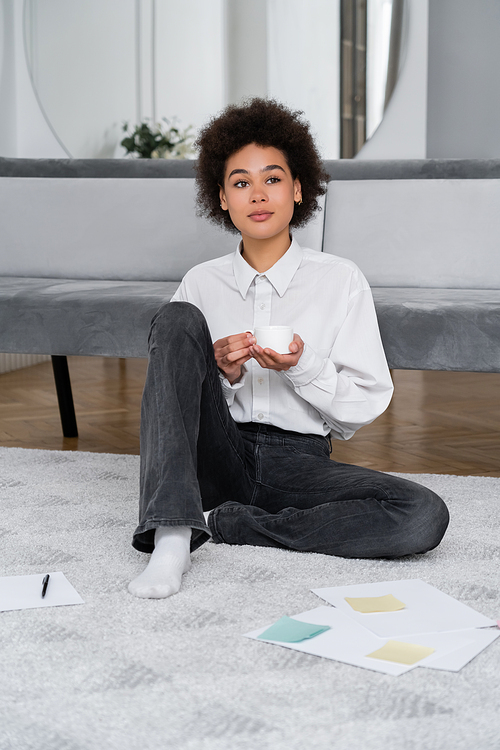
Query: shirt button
[260, 416]
[260, 381]
[263, 307]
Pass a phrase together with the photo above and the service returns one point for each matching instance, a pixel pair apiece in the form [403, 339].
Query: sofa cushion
[432, 329]
[58, 316]
[110, 228]
[411, 233]
[440, 329]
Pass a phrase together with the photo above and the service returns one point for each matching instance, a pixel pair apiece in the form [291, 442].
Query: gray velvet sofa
[89, 249]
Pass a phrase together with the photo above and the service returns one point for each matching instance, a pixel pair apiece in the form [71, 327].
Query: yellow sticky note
[402, 653]
[368, 604]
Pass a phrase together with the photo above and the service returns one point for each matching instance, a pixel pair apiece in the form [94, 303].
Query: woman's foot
[169, 561]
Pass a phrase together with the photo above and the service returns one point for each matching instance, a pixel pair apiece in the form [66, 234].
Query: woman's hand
[271, 360]
[232, 352]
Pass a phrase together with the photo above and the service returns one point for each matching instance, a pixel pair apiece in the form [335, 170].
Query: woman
[243, 433]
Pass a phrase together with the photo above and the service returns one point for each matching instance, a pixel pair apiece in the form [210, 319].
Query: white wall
[246, 49]
[23, 128]
[8, 140]
[189, 59]
[86, 84]
[303, 63]
[9, 362]
[464, 79]
[287, 49]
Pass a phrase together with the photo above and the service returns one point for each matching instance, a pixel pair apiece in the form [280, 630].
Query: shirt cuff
[227, 388]
[307, 368]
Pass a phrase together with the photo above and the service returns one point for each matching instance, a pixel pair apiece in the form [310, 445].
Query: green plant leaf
[156, 140]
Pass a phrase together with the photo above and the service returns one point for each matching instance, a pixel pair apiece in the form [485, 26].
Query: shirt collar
[280, 275]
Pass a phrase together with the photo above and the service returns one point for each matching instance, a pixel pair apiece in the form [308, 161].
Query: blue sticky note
[288, 630]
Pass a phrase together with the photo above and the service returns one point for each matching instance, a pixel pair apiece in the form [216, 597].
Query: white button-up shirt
[341, 382]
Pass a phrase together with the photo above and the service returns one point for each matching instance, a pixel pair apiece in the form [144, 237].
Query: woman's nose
[258, 196]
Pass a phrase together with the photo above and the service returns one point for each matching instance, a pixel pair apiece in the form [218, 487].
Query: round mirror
[85, 86]
[373, 44]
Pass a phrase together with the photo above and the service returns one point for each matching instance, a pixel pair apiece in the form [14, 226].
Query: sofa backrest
[442, 233]
[407, 223]
[110, 228]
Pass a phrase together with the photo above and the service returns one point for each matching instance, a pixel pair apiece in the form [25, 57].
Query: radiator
[10, 362]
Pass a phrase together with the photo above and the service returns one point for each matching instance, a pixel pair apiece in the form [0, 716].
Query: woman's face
[259, 191]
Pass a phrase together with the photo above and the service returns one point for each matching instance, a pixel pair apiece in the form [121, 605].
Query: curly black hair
[264, 122]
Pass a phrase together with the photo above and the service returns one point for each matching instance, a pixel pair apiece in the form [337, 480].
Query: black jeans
[267, 487]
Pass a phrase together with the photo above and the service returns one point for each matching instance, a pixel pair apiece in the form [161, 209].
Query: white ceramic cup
[277, 338]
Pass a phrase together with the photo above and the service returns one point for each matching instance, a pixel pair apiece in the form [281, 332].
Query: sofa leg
[64, 396]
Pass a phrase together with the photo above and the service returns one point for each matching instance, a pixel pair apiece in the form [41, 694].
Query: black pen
[45, 583]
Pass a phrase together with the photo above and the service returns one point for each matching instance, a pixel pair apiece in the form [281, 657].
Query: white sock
[168, 563]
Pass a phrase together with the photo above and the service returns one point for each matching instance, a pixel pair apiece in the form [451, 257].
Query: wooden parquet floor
[438, 422]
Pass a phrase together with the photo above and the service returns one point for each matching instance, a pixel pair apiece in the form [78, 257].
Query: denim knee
[428, 523]
[178, 313]
[177, 318]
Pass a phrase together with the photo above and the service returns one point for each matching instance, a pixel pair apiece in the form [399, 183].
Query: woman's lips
[260, 216]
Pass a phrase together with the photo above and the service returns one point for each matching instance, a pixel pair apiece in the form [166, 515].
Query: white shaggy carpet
[177, 674]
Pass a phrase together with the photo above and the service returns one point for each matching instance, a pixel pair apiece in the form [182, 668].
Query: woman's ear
[222, 196]
[297, 191]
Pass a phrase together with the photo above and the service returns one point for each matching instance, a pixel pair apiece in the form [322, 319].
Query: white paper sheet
[453, 662]
[350, 643]
[427, 610]
[25, 592]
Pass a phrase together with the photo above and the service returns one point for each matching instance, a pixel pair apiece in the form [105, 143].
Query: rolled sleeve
[306, 370]
[229, 390]
[352, 386]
